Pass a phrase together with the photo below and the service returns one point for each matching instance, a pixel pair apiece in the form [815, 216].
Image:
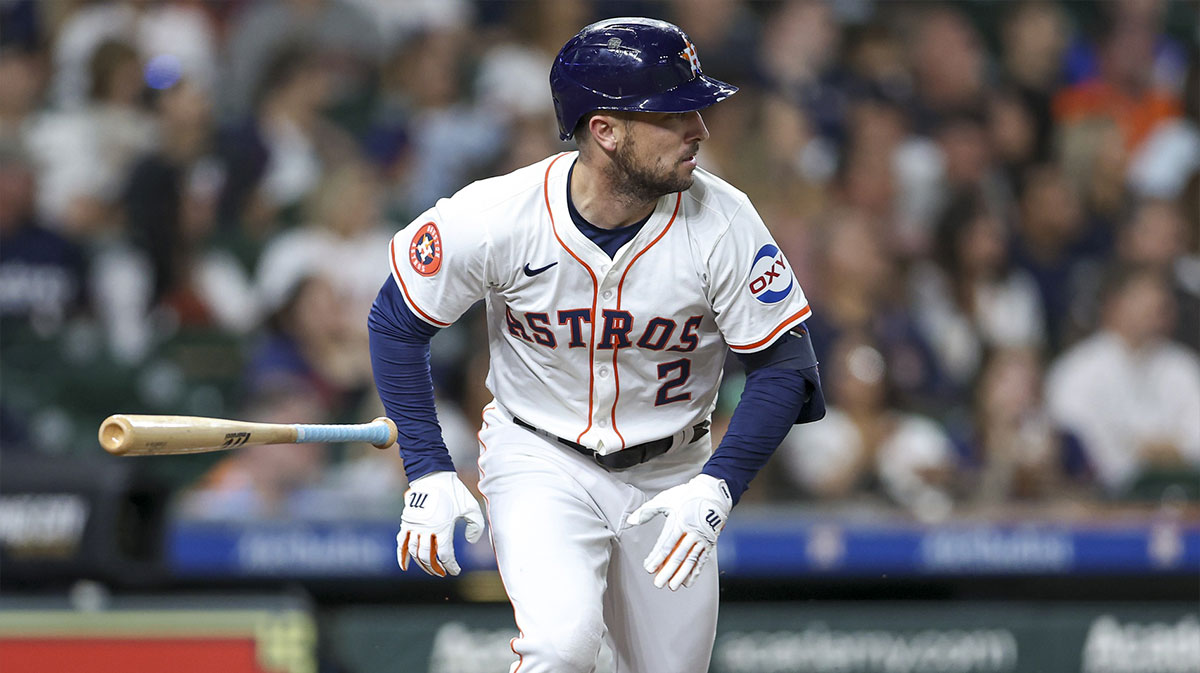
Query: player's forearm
[400, 363]
[774, 399]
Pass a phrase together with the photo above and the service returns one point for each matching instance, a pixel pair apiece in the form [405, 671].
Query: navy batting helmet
[630, 64]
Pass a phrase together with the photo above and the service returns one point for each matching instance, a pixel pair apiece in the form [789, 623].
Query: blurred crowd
[993, 207]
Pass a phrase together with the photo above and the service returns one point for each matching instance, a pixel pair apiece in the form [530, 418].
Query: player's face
[657, 154]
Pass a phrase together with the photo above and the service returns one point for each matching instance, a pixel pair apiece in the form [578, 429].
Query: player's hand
[696, 513]
[432, 505]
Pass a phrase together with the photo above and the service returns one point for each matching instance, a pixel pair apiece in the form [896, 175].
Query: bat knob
[113, 433]
[393, 433]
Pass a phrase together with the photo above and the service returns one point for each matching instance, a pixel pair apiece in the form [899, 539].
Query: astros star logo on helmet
[690, 56]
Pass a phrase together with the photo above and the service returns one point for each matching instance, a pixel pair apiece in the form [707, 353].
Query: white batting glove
[696, 513]
[432, 505]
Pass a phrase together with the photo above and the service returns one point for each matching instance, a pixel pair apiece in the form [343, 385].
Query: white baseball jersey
[607, 352]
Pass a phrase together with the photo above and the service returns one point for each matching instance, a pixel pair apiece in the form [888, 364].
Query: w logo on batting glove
[435, 503]
[713, 519]
[696, 513]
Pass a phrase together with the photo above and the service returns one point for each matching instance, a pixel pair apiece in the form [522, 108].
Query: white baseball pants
[573, 568]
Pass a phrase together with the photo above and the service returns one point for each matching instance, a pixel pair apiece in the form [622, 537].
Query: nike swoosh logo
[533, 272]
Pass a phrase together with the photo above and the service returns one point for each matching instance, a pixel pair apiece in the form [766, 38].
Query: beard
[641, 182]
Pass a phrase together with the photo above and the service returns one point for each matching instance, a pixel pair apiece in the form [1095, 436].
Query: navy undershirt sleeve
[783, 388]
[400, 362]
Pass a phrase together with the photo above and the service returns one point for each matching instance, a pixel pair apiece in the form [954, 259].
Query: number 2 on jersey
[684, 368]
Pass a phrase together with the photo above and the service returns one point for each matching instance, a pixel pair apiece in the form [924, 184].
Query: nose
[697, 131]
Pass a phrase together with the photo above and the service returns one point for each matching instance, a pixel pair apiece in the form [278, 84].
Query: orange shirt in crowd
[1136, 116]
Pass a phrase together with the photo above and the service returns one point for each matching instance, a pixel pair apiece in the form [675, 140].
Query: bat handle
[380, 432]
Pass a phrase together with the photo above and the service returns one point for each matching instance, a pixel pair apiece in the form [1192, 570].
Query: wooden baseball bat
[146, 435]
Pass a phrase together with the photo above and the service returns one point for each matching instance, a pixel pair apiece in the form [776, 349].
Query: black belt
[627, 457]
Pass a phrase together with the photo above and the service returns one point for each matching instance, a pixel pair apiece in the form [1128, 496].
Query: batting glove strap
[432, 505]
[696, 513]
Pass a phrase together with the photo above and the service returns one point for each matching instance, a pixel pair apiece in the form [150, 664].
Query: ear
[606, 131]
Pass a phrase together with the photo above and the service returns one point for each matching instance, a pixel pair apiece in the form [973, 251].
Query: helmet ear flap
[561, 115]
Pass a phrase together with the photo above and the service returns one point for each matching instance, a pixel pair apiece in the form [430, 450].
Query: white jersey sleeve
[440, 263]
[754, 294]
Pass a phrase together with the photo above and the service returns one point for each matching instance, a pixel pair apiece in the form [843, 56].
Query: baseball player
[616, 280]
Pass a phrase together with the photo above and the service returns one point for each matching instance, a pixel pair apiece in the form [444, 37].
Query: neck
[1132, 340]
[184, 144]
[284, 110]
[603, 201]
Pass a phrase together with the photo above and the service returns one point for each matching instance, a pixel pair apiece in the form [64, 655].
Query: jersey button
[602, 423]
[608, 294]
[603, 372]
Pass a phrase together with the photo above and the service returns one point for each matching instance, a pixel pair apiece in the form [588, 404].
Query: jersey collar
[556, 196]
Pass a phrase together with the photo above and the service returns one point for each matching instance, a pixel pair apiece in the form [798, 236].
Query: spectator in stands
[1124, 89]
[1171, 153]
[42, 274]
[84, 155]
[171, 209]
[969, 298]
[908, 168]
[43, 293]
[313, 340]
[22, 78]
[1094, 160]
[274, 158]
[1013, 133]
[510, 84]
[797, 57]
[947, 58]
[771, 144]
[1127, 392]
[344, 241]
[1083, 60]
[176, 34]
[867, 445]
[1051, 247]
[336, 31]
[876, 61]
[1034, 36]
[449, 138]
[967, 161]
[1155, 235]
[968, 165]
[866, 182]
[858, 293]
[1018, 452]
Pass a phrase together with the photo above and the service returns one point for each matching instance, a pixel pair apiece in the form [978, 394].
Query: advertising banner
[769, 545]
[867, 637]
[207, 635]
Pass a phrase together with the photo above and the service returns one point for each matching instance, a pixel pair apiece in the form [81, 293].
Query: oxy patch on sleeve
[771, 279]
